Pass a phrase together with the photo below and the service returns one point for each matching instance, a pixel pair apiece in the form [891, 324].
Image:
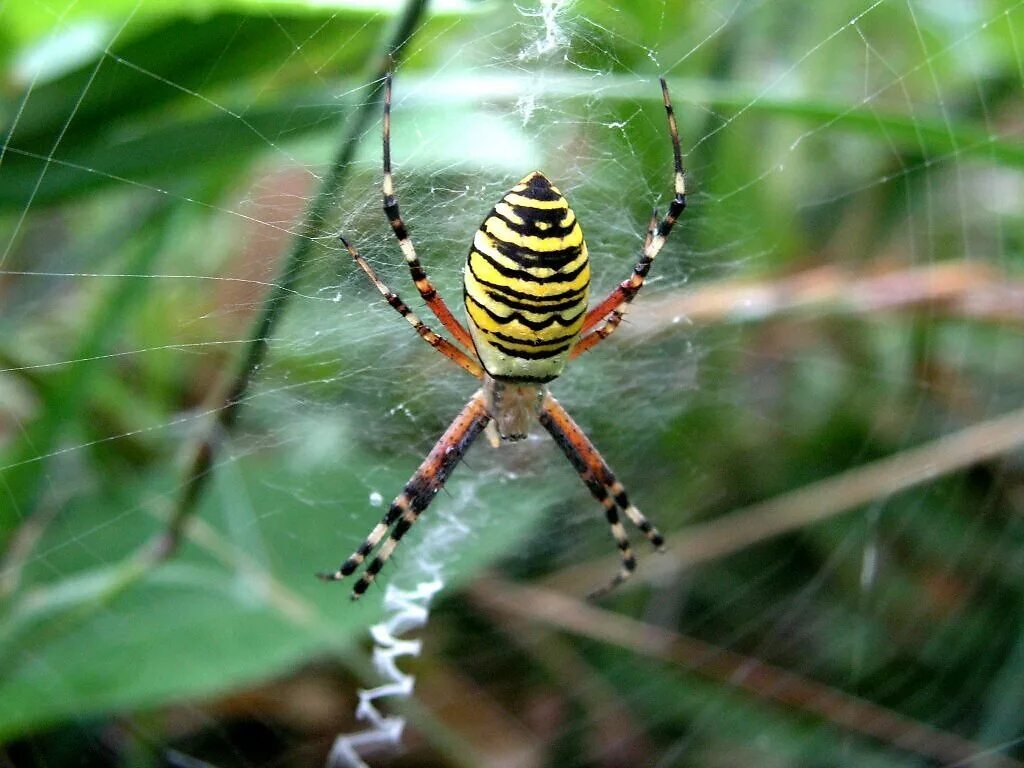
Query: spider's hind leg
[417, 495]
[601, 481]
[611, 514]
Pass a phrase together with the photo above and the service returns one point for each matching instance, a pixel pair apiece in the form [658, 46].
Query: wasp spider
[526, 285]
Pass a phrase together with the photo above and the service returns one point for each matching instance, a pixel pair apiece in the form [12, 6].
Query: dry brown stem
[744, 673]
[974, 290]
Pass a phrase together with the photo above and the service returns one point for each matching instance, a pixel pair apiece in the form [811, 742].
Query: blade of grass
[64, 397]
[920, 133]
[311, 228]
[964, 289]
[151, 154]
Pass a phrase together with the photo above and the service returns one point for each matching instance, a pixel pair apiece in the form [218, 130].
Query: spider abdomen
[527, 281]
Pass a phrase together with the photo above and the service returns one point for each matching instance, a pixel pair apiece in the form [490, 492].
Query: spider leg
[423, 285]
[599, 478]
[627, 290]
[439, 343]
[417, 494]
[614, 319]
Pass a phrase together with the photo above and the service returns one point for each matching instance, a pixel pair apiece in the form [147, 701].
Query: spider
[525, 288]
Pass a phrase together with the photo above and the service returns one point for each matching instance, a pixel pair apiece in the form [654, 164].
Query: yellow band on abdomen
[527, 282]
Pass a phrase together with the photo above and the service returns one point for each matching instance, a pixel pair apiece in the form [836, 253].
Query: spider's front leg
[608, 314]
[439, 343]
[599, 478]
[613, 320]
[417, 494]
[419, 275]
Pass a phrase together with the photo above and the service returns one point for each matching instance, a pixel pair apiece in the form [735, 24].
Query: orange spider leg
[423, 285]
[439, 343]
[627, 290]
[613, 320]
[599, 478]
[417, 494]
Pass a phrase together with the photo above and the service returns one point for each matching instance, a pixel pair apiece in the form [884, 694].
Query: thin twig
[765, 681]
[616, 732]
[817, 501]
[490, 734]
[312, 227]
[964, 289]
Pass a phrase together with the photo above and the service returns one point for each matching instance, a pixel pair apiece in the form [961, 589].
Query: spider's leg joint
[349, 566]
[621, 577]
[419, 491]
[434, 301]
[360, 589]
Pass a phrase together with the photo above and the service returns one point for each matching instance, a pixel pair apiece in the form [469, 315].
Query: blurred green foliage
[156, 162]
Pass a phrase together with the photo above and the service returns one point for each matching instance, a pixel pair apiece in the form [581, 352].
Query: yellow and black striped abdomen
[526, 283]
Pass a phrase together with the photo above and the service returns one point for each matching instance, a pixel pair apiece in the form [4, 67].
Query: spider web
[815, 396]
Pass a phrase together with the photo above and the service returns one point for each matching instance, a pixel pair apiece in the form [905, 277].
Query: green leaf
[93, 631]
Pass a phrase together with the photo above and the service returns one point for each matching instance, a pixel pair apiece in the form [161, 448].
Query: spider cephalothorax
[526, 286]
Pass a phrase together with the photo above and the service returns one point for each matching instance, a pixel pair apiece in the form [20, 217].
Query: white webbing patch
[407, 610]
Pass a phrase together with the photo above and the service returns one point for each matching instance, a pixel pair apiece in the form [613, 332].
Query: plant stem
[311, 228]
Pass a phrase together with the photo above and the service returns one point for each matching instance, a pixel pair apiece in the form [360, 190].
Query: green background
[157, 159]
